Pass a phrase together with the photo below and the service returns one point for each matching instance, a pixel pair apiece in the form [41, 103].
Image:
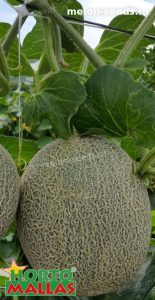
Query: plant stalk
[84, 67]
[47, 10]
[151, 171]
[4, 85]
[42, 63]
[41, 84]
[3, 64]
[58, 43]
[12, 34]
[47, 25]
[135, 39]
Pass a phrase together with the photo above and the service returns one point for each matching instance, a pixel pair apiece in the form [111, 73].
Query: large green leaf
[29, 148]
[57, 99]
[105, 106]
[112, 43]
[34, 42]
[119, 106]
[131, 148]
[13, 59]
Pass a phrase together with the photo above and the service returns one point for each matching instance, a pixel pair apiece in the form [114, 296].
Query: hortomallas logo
[29, 282]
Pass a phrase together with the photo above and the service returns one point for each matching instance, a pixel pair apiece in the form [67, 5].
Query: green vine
[58, 43]
[12, 34]
[41, 83]
[4, 86]
[47, 10]
[42, 62]
[3, 63]
[83, 69]
[135, 39]
[4, 74]
[49, 47]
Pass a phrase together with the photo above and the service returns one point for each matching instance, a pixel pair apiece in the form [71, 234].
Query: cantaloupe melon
[81, 206]
[9, 190]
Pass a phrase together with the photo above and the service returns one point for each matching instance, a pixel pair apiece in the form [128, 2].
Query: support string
[19, 90]
[22, 12]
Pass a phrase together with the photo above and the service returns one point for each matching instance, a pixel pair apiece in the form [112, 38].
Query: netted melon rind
[9, 190]
[82, 207]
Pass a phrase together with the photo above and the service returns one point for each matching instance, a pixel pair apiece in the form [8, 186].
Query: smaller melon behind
[9, 190]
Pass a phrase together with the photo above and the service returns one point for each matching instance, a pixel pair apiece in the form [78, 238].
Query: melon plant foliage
[67, 88]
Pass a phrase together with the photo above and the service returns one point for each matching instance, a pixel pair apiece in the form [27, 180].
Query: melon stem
[146, 162]
[48, 10]
[12, 34]
[49, 47]
[135, 39]
[151, 171]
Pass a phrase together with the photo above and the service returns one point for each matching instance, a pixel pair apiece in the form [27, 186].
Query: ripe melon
[81, 206]
[9, 190]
